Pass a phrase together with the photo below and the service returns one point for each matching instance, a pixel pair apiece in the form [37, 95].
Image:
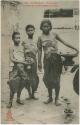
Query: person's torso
[18, 53]
[30, 45]
[49, 43]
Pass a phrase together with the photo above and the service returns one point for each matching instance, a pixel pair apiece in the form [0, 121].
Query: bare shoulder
[40, 38]
[23, 42]
[55, 34]
[11, 48]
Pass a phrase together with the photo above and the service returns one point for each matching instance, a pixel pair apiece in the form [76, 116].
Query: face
[17, 39]
[30, 31]
[46, 28]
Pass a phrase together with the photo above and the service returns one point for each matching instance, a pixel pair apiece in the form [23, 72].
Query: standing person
[18, 75]
[30, 50]
[52, 60]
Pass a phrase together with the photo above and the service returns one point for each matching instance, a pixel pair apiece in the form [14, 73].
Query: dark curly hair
[15, 33]
[29, 26]
[45, 21]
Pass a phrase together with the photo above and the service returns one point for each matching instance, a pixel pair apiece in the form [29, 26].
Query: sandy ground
[36, 111]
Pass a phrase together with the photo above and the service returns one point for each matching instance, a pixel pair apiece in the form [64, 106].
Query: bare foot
[19, 102]
[9, 105]
[48, 101]
[33, 97]
[29, 98]
[57, 103]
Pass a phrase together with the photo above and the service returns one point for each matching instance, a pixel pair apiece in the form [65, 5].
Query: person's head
[46, 26]
[16, 38]
[30, 29]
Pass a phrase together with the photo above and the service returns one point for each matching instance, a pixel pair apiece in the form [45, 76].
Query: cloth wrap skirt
[52, 70]
[32, 72]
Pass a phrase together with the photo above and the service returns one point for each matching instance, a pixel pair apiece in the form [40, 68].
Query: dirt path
[36, 111]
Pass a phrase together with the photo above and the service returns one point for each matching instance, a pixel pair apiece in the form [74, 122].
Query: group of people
[23, 57]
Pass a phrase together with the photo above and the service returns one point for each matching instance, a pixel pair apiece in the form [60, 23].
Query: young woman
[52, 60]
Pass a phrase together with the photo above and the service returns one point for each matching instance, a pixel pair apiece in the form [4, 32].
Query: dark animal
[76, 78]
[16, 84]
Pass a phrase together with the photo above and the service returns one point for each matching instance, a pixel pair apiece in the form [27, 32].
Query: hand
[40, 67]
[25, 62]
[63, 59]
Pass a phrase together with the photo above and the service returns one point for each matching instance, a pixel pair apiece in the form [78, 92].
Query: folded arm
[12, 57]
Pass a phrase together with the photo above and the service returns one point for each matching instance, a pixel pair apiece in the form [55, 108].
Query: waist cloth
[52, 70]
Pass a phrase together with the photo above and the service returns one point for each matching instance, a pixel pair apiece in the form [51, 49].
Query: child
[18, 73]
[52, 60]
[30, 50]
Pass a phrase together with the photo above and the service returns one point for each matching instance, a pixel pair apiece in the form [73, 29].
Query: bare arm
[66, 44]
[39, 45]
[39, 56]
[12, 57]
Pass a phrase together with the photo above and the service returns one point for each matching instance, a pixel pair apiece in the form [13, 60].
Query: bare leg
[11, 99]
[50, 96]
[29, 92]
[18, 96]
[33, 97]
[57, 90]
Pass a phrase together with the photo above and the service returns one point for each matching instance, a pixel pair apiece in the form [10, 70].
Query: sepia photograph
[39, 61]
